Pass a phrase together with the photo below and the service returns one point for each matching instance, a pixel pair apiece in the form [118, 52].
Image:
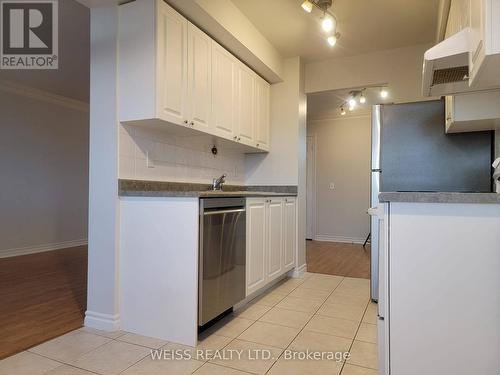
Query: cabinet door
[275, 238]
[262, 114]
[223, 91]
[289, 220]
[245, 79]
[199, 78]
[256, 244]
[171, 65]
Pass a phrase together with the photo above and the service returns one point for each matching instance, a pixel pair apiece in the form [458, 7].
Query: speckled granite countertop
[140, 188]
[417, 197]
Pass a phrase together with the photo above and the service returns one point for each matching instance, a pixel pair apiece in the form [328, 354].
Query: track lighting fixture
[327, 23]
[328, 20]
[332, 40]
[358, 96]
[352, 101]
[307, 6]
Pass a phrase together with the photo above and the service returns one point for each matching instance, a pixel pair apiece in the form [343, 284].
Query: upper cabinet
[469, 58]
[475, 111]
[199, 78]
[171, 66]
[245, 108]
[173, 75]
[262, 90]
[484, 55]
[223, 91]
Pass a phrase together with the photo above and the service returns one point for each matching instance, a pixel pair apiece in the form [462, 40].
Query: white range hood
[446, 66]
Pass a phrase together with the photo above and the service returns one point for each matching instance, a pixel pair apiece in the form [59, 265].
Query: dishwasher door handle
[220, 212]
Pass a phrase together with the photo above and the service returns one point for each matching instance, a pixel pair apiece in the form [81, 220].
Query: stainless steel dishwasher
[222, 256]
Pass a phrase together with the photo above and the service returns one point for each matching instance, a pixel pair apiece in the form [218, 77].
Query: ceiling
[365, 25]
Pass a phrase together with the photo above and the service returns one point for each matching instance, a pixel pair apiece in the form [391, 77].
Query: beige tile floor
[316, 313]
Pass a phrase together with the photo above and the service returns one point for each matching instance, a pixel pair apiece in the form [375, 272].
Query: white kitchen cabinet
[484, 51]
[458, 17]
[262, 128]
[475, 111]
[442, 288]
[245, 116]
[174, 76]
[171, 64]
[223, 91]
[199, 79]
[290, 232]
[256, 244]
[153, 56]
[271, 239]
[275, 238]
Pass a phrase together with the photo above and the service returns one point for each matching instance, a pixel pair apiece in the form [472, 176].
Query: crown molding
[43, 96]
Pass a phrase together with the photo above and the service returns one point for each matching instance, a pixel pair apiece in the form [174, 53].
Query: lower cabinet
[274, 238]
[271, 239]
[290, 232]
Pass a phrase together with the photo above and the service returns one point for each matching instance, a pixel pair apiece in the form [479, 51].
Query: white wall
[104, 213]
[181, 159]
[400, 68]
[343, 158]
[44, 164]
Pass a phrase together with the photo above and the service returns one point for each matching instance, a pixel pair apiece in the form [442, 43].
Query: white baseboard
[104, 322]
[298, 272]
[6, 253]
[326, 238]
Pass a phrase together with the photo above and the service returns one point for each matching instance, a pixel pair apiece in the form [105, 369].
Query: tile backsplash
[153, 154]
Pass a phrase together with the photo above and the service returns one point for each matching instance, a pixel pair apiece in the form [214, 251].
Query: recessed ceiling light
[307, 6]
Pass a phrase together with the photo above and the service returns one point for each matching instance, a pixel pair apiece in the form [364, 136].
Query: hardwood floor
[42, 296]
[339, 259]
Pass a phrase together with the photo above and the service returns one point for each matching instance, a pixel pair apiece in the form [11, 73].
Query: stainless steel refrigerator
[411, 152]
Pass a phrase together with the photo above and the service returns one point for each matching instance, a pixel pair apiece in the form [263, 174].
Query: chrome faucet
[218, 182]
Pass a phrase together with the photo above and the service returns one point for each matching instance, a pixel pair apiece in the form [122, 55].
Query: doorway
[338, 187]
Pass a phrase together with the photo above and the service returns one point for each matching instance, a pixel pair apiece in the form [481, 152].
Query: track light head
[307, 6]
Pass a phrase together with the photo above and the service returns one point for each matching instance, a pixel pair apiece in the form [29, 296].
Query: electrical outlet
[149, 160]
[332, 186]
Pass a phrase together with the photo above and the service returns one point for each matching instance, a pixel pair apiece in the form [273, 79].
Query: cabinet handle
[185, 121]
[192, 123]
[258, 144]
[239, 139]
[235, 137]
